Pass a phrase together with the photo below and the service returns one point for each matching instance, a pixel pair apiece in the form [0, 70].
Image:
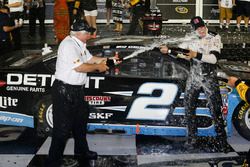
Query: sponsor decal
[10, 119]
[7, 102]
[96, 81]
[30, 79]
[181, 9]
[40, 113]
[100, 115]
[29, 82]
[25, 89]
[242, 111]
[16, 119]
[2, 83]
[97, 100]
[39, 82]
[130, 47]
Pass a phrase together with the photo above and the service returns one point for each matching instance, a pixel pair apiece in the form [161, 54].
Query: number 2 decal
[139, 108]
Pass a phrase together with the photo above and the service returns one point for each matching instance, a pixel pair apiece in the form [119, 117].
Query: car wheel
[44, 117]
[241, 119]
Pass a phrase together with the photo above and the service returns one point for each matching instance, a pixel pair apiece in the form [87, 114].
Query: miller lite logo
[7, 102]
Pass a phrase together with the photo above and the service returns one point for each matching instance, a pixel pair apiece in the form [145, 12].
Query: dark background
[171, 9]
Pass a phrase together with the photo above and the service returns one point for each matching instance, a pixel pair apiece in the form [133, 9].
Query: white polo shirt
[71, 54]
[16, 9]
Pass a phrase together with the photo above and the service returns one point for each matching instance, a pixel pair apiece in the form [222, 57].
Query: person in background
[225, 7]
[242, 10]
[244, 92]
[90, 13]
[117, 14]
[138, 10]
[36, 11]
[6, 27]
[16, 13]
[108, 6]
[70, 111]
[203, 53]
[73, 8]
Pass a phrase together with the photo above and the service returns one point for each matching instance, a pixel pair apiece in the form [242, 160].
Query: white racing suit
[203, 77]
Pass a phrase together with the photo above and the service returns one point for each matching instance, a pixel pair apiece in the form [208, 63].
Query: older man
[70, 111]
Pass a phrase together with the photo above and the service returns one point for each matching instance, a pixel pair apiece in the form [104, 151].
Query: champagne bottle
[178, 52]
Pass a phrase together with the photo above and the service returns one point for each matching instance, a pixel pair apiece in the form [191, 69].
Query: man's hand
[231, 81]
[102, 67]
[74, 11]
[191, 54]
[164, 49]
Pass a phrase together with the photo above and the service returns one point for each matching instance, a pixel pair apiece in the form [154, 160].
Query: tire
[44, 117]
[241, 119]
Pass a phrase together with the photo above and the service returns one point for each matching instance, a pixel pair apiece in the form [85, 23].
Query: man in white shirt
[70, 111]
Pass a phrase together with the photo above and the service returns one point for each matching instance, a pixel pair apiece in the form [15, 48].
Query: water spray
[188, 38]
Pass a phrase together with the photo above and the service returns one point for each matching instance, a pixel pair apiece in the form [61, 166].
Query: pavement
[19, 147]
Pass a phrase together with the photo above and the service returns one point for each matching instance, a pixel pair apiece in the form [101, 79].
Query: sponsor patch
[97, 100]
[7, 102]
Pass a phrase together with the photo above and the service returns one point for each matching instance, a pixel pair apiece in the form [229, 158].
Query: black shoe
[91, 155]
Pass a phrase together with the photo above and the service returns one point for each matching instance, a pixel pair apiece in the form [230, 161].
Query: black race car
[142, 95]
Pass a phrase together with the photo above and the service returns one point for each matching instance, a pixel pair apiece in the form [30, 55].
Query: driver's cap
[81, 25]
[197, 22]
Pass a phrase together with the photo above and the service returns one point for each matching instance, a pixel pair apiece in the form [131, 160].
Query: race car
[142, 95]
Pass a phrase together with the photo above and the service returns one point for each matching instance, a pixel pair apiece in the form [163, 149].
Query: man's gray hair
[73, 33]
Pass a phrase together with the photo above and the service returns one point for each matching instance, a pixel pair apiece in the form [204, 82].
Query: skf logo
[181, 10]
[100, 115]
[97, 100]
[7, 102]
[2, 83]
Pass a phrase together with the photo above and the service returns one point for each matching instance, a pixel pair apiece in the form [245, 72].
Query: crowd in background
[116, 10]
[12, 15]
[241, 8]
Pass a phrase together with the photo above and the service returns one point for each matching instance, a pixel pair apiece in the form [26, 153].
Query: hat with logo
[197, 22]
[81, 25]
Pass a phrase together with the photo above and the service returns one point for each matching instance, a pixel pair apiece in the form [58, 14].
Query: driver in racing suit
[203, 53]
[244, 92]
